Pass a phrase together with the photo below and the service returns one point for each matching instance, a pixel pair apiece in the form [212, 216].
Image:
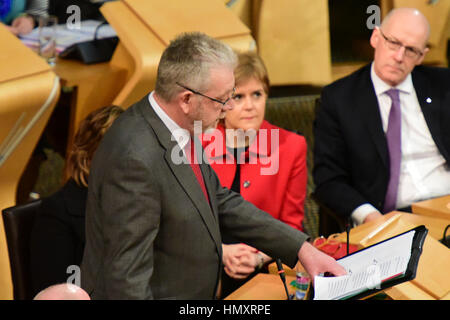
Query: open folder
[375, 268]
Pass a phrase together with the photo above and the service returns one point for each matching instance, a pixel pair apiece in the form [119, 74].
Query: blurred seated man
[63, 291]
[57, 238]
[382, 134]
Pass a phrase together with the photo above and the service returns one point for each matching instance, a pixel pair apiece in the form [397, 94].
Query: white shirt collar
[406, 86]
[180, 135]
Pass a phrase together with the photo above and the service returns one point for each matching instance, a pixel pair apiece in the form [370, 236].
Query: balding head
[400, 44]
[63, 291]
[409, 18]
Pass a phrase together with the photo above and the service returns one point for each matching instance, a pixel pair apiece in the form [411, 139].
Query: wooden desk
[263, 287]
[435, 227]
[437, 207]
[96, 86]
[432, 281]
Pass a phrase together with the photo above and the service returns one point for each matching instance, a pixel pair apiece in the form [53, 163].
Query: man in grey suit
[153, 221]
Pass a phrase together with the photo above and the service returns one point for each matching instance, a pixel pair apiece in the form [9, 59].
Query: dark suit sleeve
[245, 222]
[332, 163]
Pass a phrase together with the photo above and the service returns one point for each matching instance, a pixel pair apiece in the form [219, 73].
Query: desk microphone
[283, 277]
[347, 230]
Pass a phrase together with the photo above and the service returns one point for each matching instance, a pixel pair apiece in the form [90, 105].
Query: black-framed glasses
[223, 103]
[394, 45]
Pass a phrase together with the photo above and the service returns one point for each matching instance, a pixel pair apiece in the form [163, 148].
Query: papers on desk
[65, 37]
[367, 269]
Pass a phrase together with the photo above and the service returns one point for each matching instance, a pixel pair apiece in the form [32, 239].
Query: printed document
[367, 269]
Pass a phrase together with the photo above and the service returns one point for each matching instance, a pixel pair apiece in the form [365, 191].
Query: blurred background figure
[21, 16]
[58, 237]
[63, 291]
[241, 159]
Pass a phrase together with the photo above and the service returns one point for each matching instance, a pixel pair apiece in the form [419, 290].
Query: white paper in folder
[367, 269]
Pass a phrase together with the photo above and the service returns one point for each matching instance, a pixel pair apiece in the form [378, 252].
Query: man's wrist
[361, 212]
[260, 260]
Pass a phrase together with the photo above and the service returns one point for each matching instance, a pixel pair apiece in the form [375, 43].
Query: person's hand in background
[21, 25]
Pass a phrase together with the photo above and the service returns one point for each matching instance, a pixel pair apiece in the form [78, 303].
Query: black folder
[418, 239]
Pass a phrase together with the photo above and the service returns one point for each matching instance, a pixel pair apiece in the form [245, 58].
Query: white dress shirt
[423, 173]
[179, 134]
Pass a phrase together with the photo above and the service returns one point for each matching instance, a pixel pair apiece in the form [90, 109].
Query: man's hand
[240, 260]
[22, 25]
[316, 262]
[372, 216]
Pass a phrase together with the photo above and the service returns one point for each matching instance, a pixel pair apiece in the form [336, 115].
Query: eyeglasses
[410, 52]
[223, 103]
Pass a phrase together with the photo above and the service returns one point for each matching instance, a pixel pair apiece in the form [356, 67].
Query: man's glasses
[223, 103]
[410, 52]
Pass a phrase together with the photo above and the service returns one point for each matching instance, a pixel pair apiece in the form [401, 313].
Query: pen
[381, 227]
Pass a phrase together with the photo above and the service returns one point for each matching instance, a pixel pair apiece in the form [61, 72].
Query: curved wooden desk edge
[43, 92]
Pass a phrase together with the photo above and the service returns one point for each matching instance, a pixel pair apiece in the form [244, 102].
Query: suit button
[246, 184]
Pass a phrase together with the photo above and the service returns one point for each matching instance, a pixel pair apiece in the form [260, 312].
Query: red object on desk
[335, 248]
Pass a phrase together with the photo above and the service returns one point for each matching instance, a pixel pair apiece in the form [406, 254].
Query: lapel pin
[428, 100]
[246, 184]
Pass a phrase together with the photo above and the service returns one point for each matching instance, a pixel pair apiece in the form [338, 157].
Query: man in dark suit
[154, 218]
[382, 137]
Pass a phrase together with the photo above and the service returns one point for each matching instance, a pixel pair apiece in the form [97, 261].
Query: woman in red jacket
[264, 163]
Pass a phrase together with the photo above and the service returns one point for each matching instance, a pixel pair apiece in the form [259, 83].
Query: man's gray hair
[188, 60]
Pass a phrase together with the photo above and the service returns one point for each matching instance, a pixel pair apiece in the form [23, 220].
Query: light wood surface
[28, 93]
[435, 227]
[432, 280]
[167, 18]
[145, 28]
[293, 39]
[437, 207]
[263, 287]
[95, 86]
[28, 66]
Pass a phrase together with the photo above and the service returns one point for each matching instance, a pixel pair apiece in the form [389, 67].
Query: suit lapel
[430, 105]
[367, 106]
[182, 170]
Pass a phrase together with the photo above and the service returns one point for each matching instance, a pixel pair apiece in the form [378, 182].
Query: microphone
[283, 277]
[347, 230]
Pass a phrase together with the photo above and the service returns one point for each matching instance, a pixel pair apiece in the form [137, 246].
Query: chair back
[297, 114]
[18, 222]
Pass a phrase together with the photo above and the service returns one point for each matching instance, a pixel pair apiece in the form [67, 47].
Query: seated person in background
[382, 134]
[23, 14]
[262, 162]
[57, 239]
[18, 15]
[63, 291]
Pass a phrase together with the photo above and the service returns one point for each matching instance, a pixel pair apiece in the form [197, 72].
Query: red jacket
[276, 180]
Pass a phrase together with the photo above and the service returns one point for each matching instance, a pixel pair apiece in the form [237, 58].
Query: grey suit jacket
[150, 233]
